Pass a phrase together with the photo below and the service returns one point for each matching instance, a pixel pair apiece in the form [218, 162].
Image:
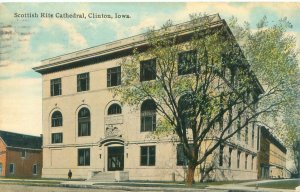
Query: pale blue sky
[29, 40]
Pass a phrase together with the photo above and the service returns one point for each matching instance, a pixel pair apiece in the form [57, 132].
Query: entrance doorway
[115, 159]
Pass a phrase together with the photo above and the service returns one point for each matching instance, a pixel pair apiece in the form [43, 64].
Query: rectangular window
[229, 120]
[232, 75]
[83, 82]
[238, 159]
[258, 139]
[148, 70]
[229, 158]
[113, 76]
[252, 137]
[187, 62]
[83, 157]
[221, 155]
[84, 129]
[252, 162]
[11, 168]
[246, 161]
[239, 127]
[23, 154]
[34, 169]
[148, 156]
[221, 120]
[148, 121]
[55, 87]
[57, 137]
[246, 134]
[181, 158]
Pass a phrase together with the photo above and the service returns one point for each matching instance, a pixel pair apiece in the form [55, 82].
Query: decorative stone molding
[112, 131]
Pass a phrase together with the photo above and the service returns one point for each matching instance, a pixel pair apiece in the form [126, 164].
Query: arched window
[185, 105]
[56, 119]
[84, 122]
[148, 116]
[114, 109]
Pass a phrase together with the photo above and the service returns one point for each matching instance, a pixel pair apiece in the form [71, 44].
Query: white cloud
[146, 21]
[75, 38]
[21, 105]
[10, 68]
[135, 29]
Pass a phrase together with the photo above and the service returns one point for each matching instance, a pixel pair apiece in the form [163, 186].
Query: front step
[103, 176]
[109, 176]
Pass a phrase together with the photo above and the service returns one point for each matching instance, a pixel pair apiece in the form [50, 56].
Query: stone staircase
[103, 177]
[98, 176]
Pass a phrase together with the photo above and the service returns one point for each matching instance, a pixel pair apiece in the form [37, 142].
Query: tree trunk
[190, 175]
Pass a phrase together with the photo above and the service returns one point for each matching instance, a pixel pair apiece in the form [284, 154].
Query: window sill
[82, 91]
[114, 86]
[80, 136]
[55, 95]
[144, 81]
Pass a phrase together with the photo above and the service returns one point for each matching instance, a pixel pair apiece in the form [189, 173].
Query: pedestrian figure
[70, 174]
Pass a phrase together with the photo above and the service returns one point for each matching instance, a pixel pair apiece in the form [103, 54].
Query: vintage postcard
[164, 96]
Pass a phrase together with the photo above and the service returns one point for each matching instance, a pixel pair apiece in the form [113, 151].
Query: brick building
[20, 155]
[271, 156]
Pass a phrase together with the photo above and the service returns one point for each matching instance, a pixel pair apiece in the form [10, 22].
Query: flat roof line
[97, 48]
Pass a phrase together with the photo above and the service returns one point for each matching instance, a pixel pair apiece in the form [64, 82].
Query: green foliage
[221, 79]
[274, 58]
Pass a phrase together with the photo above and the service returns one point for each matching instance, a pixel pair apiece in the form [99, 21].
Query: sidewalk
[245, 187]
[237, 187]
[135, 186]
[144, 186]
[138, 186]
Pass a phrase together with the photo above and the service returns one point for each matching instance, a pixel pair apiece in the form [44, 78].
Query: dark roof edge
[20, 134]
[275, 140]
[111, 47]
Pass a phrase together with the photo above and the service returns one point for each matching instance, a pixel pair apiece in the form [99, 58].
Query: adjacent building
[20, 155]
[87, 130]
[271, 157]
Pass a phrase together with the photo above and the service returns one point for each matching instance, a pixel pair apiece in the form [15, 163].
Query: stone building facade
[87, 130]
[20, 155]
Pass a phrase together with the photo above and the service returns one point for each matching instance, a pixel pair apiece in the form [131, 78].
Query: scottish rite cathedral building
[89, 131]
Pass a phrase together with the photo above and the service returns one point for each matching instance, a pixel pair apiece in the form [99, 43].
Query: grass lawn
[31, 181]
[286, 184]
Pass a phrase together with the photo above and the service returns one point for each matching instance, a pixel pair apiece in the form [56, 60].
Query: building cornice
[119, 48]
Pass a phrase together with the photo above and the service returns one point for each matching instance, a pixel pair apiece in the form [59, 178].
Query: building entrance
[115, 159]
